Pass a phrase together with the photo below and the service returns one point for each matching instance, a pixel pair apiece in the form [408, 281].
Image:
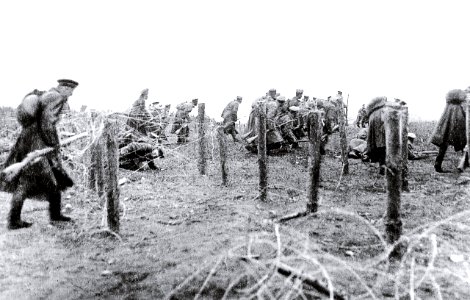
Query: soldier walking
[181, 121]
[230, 117]
[361, 119]
[450, 130]
[38, 115]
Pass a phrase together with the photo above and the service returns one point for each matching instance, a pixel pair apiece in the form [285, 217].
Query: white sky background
[216, 50]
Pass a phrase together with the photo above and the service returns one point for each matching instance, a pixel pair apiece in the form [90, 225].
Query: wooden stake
[97, 157]
[111, 154]
[262, 152]
[404, 139]
[393, 224]
[202, 139]
[343, 140]
[314, 159]
[223, 153]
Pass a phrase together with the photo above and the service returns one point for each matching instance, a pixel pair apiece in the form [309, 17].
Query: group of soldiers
[287, 120]
[40, 111]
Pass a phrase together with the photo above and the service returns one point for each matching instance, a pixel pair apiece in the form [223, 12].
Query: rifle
[347, 106]
[428, 152]
[10, 172]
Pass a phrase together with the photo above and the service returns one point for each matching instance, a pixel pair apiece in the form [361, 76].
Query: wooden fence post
[393, 224]
[99, 166]
[223, 153]
[202, 139]
[343, 140]
[111, 175]
[262, 152]
[404, 136]
[314, 159]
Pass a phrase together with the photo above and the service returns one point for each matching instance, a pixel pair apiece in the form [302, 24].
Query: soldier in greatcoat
[181, 120]
[450, 130]
[361, 119]
[139, 118]
[38, 115]
[376, 143]
[296, 104]
[230, 117]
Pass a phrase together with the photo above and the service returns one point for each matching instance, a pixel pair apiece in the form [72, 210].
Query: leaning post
[404, 143]
[111, 154]
[393, 140]
[223, 153]
[202, 139]
[262, 152]
[314, 159]
[343, 140]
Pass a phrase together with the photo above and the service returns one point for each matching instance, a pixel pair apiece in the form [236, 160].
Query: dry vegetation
[186, 236]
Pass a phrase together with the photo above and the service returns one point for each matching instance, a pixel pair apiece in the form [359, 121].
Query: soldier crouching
[135, 153]
[38, 114]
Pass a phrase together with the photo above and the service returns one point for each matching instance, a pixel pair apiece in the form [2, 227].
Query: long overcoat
[450, 129]
[376, 132]
[38, 132]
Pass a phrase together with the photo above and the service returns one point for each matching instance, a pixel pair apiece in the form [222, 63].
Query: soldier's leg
[14, 216]
[440, 158]
[55, 206]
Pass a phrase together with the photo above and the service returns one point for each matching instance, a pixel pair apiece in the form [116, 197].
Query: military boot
[14, 216]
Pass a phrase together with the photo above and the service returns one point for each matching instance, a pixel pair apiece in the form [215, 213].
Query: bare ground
[176, 223]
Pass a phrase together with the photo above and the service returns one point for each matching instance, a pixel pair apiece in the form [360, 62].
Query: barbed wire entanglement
[285, 263]
[311, 257]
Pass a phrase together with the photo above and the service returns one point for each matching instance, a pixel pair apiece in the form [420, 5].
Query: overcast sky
[216, 50]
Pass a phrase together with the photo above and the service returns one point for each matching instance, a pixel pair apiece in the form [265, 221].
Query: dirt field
[184, 235]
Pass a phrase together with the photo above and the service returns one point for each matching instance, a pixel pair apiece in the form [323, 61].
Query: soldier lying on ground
[137, 151]
[358, 145]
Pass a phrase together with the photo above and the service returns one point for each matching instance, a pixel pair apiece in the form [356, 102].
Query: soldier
[296, 104]
[284, 122]
[358, 145]
[181, 120]
[361, 119]
[38, 115]
[329, 121]
[376, 134]
[273, 137]
[230, 117]
[135, 152]
[412, 154]
[139, 118]
[158, 117]
[450, 129]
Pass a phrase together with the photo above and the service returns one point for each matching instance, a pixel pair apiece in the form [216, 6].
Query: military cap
[155, 102]
[272, 90]
[299, 91]
[281, 99]
[68, 82]
[411, 135]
